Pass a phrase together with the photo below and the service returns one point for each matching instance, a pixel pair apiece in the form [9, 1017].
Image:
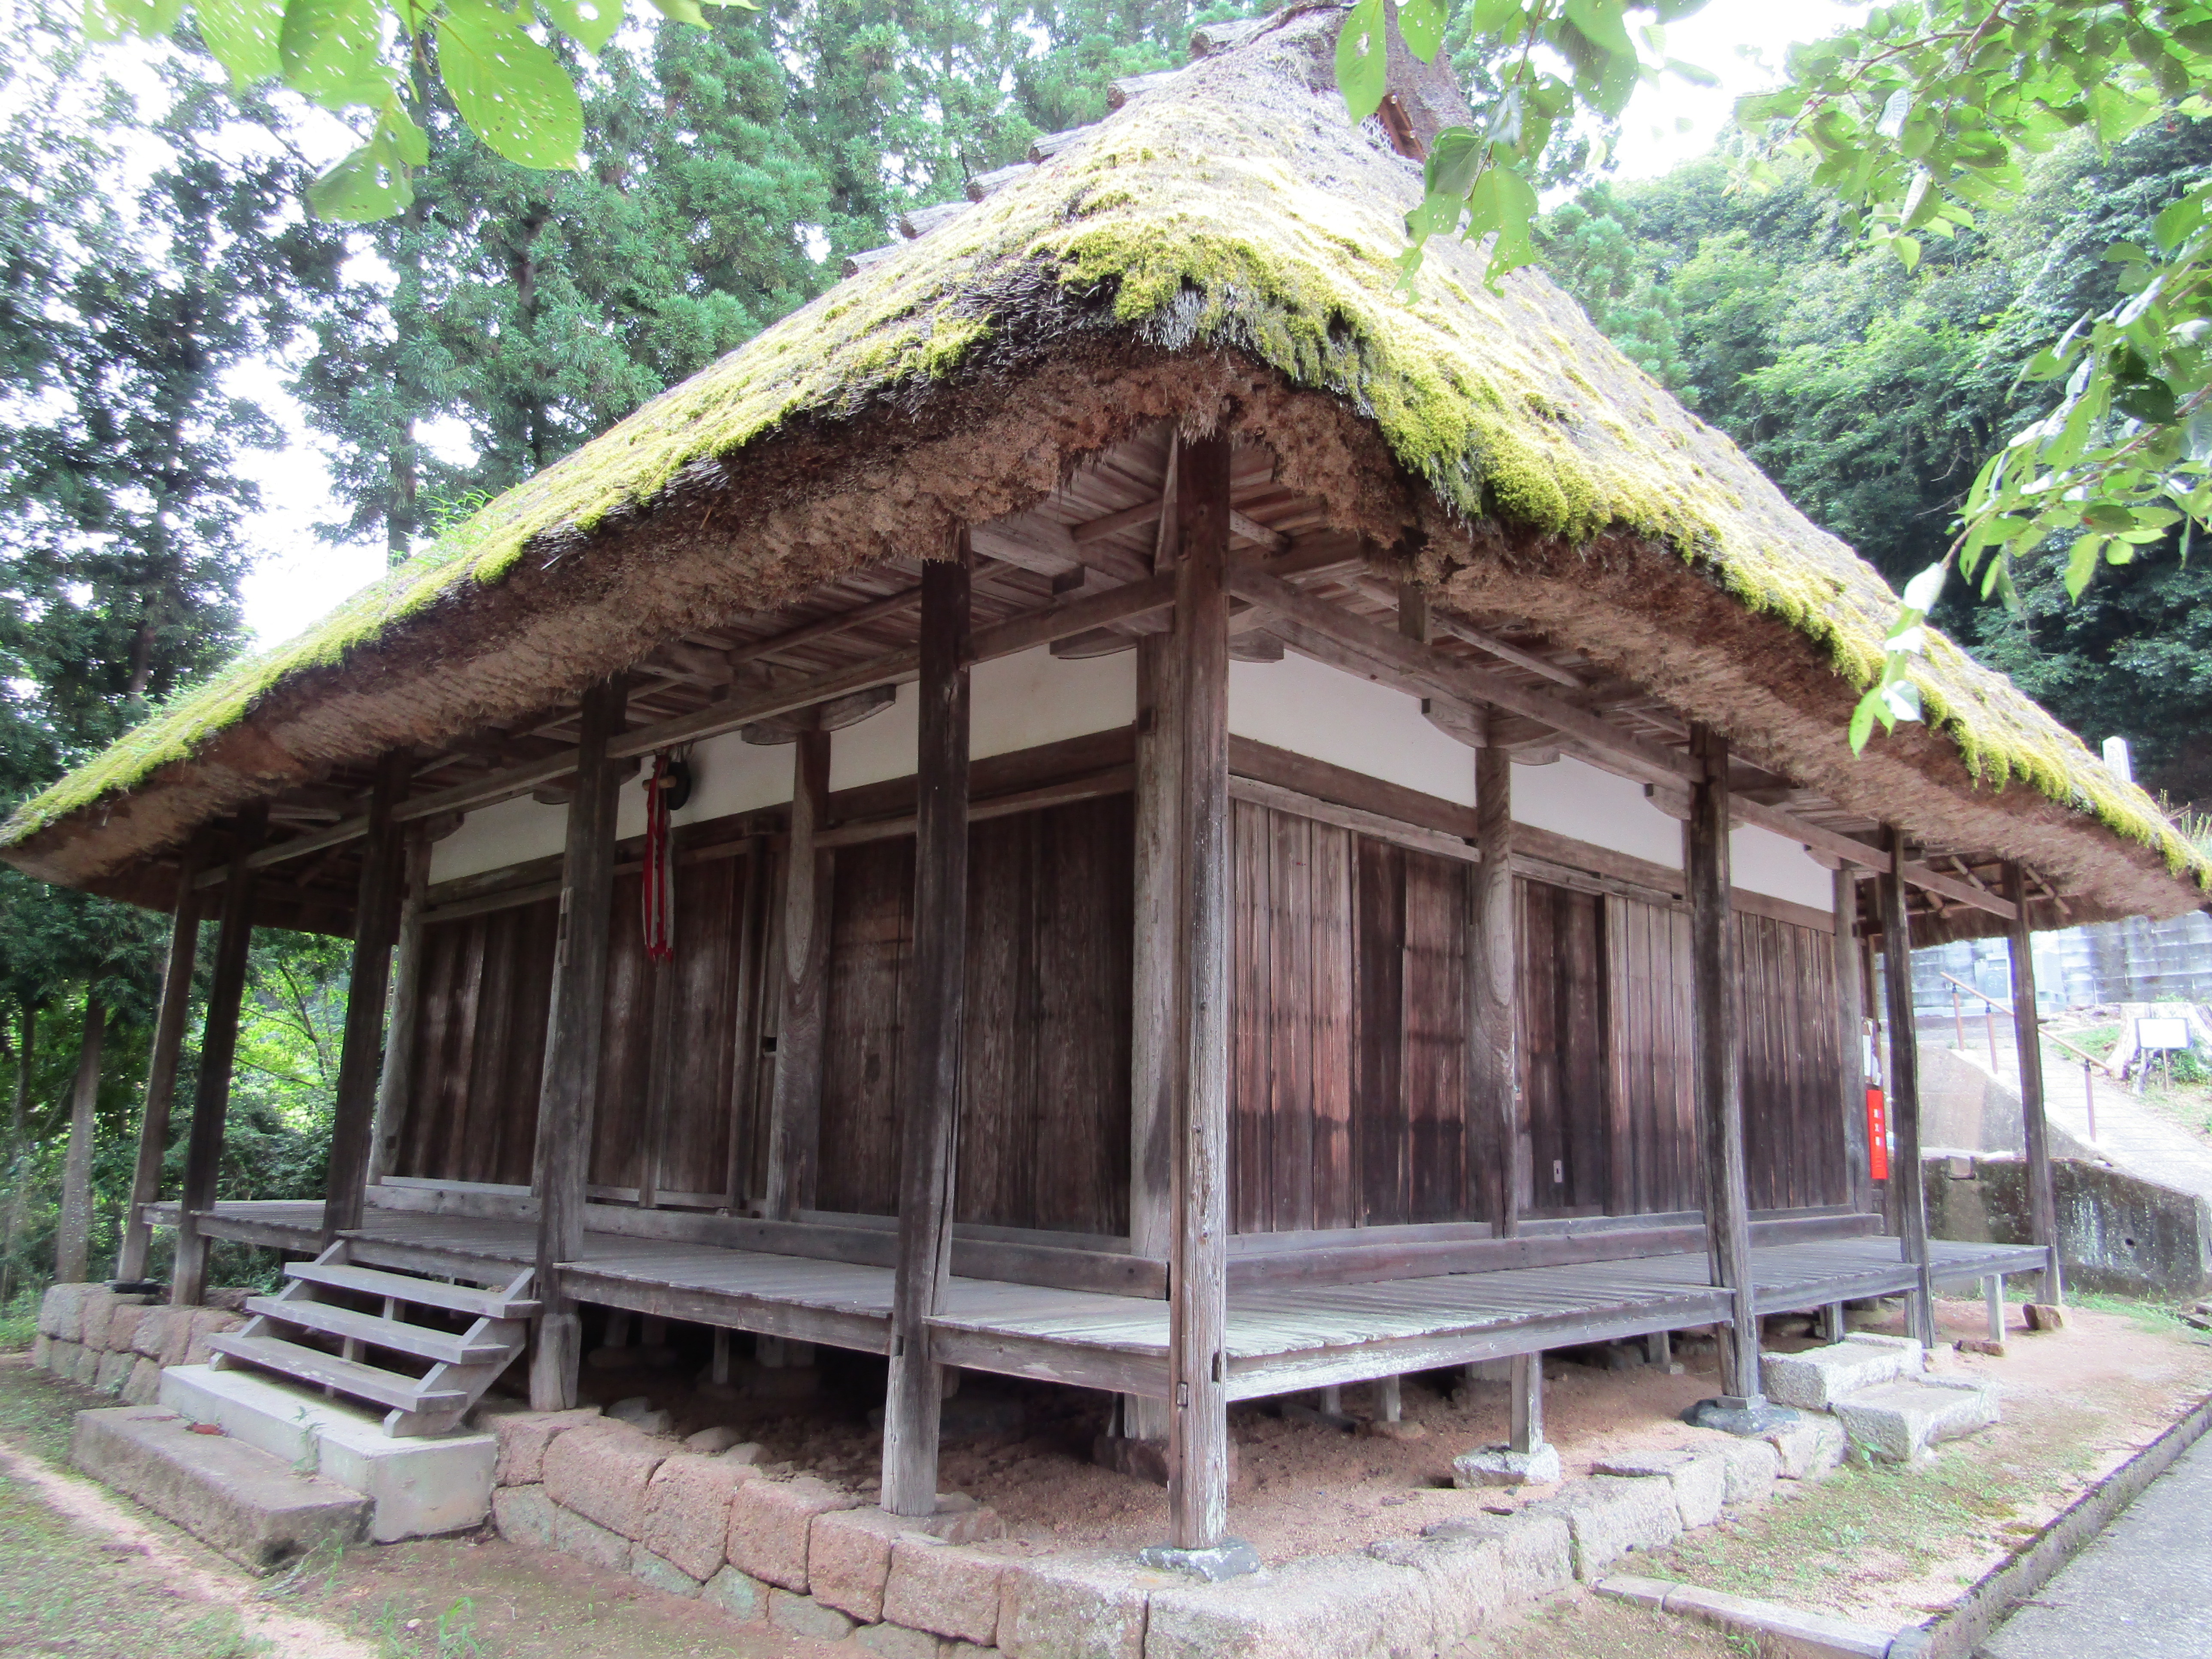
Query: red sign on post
[1877, 1135]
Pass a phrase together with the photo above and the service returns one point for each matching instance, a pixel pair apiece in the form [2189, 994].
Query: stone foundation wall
[814, 1559]
[2116, 1231]
[121, 1344]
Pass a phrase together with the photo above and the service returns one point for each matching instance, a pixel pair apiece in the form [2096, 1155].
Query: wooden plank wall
[1563, 1022]
[1044, 1128]
[1650, 1107]
[1793, 1130]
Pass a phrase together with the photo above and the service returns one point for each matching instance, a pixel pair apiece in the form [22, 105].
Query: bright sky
[299, 576]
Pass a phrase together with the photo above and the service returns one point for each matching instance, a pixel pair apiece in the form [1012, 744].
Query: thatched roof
[1221, 250]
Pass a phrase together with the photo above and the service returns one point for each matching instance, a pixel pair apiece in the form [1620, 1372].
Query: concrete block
[687, 1509]
[1501, 1465]
[207, 1323]
[602, 1471]
[1345, 1607]
[124, 1318]
[738, 1594]
[1783, 1632]
[61, 1311]
[897, 1642]
[1464, 1564]
[658, 1572]
[420, 1488]
[98, 1307]
[1752, 1466]
[523, 1437]
[1700, 1480]
[163, 1333]
[62, 1355]
[1608, 1517]
[42, 1351]
[848, 1558]
[88, 1360]
[587, 1541]
[1899, 1422]
[1808, 1447]
[145, 1387]
[1815, 1379]
[524, 1514]
[802, 1615]
[948, 1589]
[113, 1371]
[769, 1521]
[1644, 1592]
[1076, 1607]
[239, 1499]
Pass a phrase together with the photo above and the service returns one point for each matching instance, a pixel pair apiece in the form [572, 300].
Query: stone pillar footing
[1232, 1558]
[1501, 1465]
[1748, 1415]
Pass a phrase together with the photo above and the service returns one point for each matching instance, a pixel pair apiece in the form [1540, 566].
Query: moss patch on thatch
[1235, 210]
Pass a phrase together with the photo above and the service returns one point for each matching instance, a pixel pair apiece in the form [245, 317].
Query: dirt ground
[85, 1573]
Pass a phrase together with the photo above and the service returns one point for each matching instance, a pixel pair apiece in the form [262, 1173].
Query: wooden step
[445, 1347]
[346, 1376]
[420, 1292]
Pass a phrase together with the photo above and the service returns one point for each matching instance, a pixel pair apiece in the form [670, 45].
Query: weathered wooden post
[1493, 970]
[568, 1095]
[397, 1079]
[1850, 1037]
[2042, 1200]
[1904, 1080]
[795, 1104]
[218, 1049]
[162, 1067]
[936, 1012]
[376, 931]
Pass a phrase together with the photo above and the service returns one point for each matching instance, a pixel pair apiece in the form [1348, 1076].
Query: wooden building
[1228, 833]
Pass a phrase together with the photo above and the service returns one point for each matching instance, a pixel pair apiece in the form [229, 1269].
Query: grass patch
[16, 1331]
[38, 1413]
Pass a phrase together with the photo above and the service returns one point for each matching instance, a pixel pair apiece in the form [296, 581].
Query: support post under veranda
[1904, 1080]
[161, 1068]
[376, 931]
[2028, 1036]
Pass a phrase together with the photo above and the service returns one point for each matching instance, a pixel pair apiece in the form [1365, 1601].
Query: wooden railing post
[218, 1049]
[568, 1095]
[1904, 1080]
[162, 1067]
[935, 1014]
[2042, 1200]
[1493, 973]
[795, 1105]
[376, 930]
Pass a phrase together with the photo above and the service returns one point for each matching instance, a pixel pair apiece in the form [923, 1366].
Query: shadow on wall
[2116, 1231]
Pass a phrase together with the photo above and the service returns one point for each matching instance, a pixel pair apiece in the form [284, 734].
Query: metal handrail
[2005, 1008]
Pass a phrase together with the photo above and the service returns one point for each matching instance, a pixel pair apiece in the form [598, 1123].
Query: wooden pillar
[1493, 971]
[161, 1068]
[375, 931]
[935, 1015]
[394, 1082]
[745, 1063]
[568, 1094]
[73, 1235]
[1909, 1194]
[1153, 1055]
[795, 1106]
[1527, 1407]
[1718, 1061]
[1198, 1452]
[1850, 1037]
[218, 1048]
[2042, 1203]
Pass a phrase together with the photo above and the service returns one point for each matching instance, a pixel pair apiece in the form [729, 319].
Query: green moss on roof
[1230, 215]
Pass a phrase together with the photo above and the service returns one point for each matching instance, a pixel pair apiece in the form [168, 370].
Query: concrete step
[1816, 1378]
[254, 1507]
[420, 1292]
[1899, 1421]
[418, 1487]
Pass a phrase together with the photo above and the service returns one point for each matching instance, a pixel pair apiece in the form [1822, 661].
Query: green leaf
[682, 11]
[1362, 66]
[373, 182]
[589, 24]
[1493, 20]
[1422, 24]
[2081, 563]
[512, 92]
[329, 49]
[1862, 719]
[113, 19]
[243, 34]
[1604, 23]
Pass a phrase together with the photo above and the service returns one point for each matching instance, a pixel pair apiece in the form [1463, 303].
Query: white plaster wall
[1327, 715]
[1573, 798]
[1018, 703]
[1779, 868]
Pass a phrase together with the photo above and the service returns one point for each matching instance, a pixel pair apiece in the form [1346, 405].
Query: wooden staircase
[461, 1365]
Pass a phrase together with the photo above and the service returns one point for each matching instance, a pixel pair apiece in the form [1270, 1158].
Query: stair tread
[423, 1293]
[347, 1376]
[446, 1346]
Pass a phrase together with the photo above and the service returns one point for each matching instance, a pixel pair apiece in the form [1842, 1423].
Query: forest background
[155, 244]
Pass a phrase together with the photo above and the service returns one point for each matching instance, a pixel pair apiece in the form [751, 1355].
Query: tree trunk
[26, 1055]
[73, 1241]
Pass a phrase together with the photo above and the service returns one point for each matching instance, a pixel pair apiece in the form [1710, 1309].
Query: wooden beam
[567, 1095]
[1197, 1456]
[1718, 1059]
[935, 1015]
[1095, 785]
[1454, 678]
[397, 1079]
[825, 628]
[795, 1106]
[1851, 1038]
[1372, 825]
[218, 1049]
[376, 930]
[271, 853]
[1153, 1049]
[1506, 651]
[1775, 820]
[2028, 1038]
[1950, 887]
[162, 1067]
[1905, 1185]
[1493, 989]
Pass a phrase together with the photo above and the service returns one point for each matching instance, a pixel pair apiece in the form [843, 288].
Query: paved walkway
[2137, 1137]
[2139, 1590]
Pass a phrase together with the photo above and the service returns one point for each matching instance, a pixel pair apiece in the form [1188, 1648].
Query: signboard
[1877, 1136]
[2162, 1032]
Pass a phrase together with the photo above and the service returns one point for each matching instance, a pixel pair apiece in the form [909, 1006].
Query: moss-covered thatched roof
[1231, 215]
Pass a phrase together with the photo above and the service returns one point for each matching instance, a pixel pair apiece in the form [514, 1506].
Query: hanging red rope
[660, 905]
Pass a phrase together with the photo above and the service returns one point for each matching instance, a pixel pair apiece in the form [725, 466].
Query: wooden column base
[555, 1354]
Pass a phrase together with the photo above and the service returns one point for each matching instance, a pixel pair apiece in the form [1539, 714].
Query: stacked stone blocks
[120, 1345]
